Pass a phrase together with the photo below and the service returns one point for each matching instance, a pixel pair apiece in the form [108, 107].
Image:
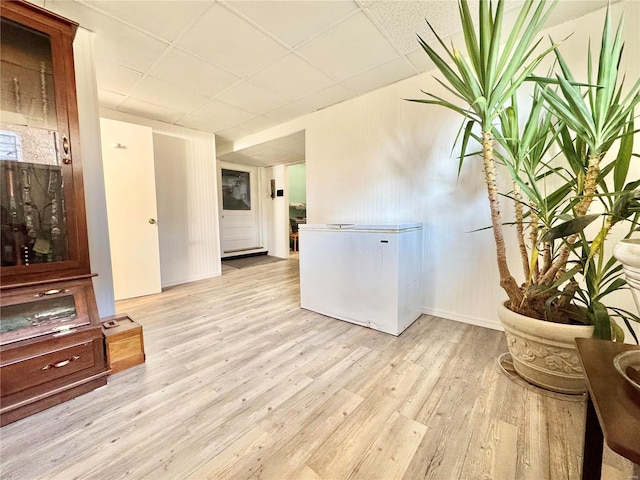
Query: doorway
[296, 179]
[240, 225]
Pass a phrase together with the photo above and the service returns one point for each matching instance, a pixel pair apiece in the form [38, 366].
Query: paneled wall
[186, 186]
[381, 159]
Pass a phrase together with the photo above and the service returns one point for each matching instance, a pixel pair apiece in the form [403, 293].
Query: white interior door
[127, 156]
[240, 220]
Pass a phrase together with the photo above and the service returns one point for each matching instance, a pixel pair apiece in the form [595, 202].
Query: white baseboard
[480, 322]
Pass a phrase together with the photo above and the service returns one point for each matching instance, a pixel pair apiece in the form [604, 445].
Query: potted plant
[567, 272]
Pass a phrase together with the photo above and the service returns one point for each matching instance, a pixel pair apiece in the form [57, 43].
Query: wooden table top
[616, 402]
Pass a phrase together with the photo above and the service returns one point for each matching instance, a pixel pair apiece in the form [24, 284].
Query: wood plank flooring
[240, 383]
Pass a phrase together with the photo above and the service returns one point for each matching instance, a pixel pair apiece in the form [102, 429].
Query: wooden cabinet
[51, 344]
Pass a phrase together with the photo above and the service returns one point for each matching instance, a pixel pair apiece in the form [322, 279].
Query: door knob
[152, 221]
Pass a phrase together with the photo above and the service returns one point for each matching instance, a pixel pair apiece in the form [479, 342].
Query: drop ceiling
[234, 68]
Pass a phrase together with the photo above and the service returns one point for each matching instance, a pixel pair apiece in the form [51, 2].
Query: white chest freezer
[364, 274]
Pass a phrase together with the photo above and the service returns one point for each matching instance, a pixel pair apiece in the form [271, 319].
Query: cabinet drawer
[49, 366]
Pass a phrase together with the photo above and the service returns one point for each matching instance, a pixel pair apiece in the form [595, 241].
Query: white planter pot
[628, 254]
[544, 353]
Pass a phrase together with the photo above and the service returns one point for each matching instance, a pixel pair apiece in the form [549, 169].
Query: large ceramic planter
[627, 252]
[544, 353]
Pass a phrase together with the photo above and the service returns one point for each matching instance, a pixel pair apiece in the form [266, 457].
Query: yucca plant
[593, 117]
[486, 84]
[565, 273]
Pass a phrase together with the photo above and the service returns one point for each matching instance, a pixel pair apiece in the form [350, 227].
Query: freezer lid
[355, 227]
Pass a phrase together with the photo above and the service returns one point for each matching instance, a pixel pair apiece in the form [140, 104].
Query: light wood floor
[240, 383]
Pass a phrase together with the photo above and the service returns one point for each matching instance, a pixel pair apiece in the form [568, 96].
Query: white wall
[186, 186]
[277, 212]
[93, 175]
[379, 159]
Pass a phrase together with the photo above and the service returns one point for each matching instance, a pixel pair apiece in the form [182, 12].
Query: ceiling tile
[217, 111]
[129, 48]
[200, 123]
[349, 48]
[115, 78]
[149, 110]
[252, 98]
[234, 133]
[292, 77]
[329, 96]
[114, 40]
[257, 124]
[84, 15]
[226, 40]
[294, 143]
[421, 60]
[294, 22]
[381, 75]
[202, 77]
[403, 21]
[288, 112]
[165, 19]
[158, 92]
[110, 99]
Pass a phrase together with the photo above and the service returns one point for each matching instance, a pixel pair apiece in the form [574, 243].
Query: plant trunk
[580, 210]
[520, 231]
[507, 282]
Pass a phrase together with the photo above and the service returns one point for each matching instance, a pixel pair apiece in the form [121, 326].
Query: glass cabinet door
[33, 149]
[42, 310]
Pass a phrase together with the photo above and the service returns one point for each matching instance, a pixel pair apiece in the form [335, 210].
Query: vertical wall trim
[93, 175]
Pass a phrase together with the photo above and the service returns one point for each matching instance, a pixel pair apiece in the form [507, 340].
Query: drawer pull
[61, 364]
[53, 291]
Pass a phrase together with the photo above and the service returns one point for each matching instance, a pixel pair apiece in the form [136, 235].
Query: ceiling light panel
[226, 40]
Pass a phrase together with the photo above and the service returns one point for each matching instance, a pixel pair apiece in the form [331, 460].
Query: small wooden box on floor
[124, 343]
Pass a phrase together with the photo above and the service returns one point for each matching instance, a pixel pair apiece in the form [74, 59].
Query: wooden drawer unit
[124, 342]
[47, 366]
[38, 374]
